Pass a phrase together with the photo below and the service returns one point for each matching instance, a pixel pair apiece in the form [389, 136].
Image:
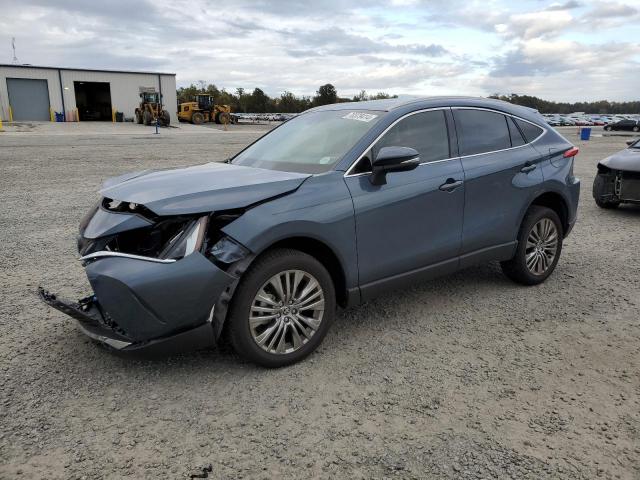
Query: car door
[502, 170]
[414, 221]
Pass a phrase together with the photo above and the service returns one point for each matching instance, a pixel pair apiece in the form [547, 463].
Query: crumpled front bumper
[139, 303]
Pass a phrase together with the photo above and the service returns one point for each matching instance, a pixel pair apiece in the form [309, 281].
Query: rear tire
[636, 129]
[165, 118]
[607, 128]
[599, 185]
[308, 284]
[539, 247]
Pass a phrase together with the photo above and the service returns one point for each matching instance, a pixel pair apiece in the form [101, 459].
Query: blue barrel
[59, 117]
[585, 133]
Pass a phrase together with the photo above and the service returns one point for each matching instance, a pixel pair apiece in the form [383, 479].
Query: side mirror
[631, 142]
[393, 159]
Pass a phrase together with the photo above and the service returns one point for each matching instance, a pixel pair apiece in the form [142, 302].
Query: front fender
[320, 209]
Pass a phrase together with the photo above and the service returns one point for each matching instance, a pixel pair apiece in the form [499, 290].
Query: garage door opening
[93, 101]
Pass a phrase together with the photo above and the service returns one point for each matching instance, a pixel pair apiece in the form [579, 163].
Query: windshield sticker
[361, 117]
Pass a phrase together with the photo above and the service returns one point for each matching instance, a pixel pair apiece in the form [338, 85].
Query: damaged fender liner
[139, 303]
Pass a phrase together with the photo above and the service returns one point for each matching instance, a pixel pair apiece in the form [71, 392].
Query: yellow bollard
[1, 129]
[50, 114]
[113, 115]
[10, 114]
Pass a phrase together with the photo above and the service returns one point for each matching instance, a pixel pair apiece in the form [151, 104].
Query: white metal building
[34, 93]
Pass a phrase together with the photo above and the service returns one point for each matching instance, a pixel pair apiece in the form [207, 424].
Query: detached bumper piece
[90, 318]
[140, 304]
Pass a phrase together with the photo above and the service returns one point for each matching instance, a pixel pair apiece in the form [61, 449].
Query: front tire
[147, 117]
[539, 247]
[599, 187]
[282, 309]
[636, 129]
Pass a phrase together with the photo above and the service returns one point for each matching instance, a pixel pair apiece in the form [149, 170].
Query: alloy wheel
[286, 312]
[542, 246]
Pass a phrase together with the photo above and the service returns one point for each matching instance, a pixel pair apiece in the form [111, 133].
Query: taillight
[572, 152]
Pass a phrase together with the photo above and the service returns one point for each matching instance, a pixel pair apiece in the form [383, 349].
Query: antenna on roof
[13, 46]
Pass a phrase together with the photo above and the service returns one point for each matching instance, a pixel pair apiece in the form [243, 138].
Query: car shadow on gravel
[625, 210]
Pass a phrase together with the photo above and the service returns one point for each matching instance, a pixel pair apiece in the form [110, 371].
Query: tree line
[258, 101]
[546, 106]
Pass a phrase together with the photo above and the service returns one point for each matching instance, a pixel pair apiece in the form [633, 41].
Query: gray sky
[564, 51]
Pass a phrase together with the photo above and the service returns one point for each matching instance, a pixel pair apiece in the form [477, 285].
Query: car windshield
[309, 143]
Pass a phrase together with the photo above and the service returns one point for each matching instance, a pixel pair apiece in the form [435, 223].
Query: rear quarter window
[481, 131]
[516, 136]
[529, 130]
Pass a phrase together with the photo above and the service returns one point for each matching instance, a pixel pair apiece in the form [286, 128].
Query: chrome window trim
[105, 253]
[544, 131]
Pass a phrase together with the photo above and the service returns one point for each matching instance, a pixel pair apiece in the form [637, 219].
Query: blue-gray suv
[337, 206]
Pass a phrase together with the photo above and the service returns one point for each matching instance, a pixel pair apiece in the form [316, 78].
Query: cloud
[338, 42]
[611, 10]
[401, 46]
[569, 5]
[537, 24]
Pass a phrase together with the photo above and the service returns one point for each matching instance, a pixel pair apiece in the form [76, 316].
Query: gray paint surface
[29, 99]
[383, 236]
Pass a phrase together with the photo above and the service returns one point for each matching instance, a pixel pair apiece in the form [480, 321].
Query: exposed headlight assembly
[186, 241]
[227, 250]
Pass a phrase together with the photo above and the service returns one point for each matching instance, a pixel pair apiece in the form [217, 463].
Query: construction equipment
[150, 110]
[204, 109]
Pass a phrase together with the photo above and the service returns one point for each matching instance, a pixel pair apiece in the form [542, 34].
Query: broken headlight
[187, 240]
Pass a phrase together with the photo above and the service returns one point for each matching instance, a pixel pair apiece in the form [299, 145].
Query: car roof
[406, 101]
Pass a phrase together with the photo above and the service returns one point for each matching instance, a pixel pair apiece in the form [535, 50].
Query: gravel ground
[470, 376]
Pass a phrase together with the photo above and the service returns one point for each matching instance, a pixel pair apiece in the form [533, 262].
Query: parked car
[618, 178]
[630, 125]
[337, 206]
[582, 122]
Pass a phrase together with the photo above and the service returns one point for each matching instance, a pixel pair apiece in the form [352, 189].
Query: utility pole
[13, 46]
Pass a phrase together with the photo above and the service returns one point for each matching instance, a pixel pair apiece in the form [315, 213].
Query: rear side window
[426, 132]
[530, 131]
[480, 131]
[516, 137]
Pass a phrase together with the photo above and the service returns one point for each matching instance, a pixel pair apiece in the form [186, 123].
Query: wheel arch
[321, 252]
[556, 202]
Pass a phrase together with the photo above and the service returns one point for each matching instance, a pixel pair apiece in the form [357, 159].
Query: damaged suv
[618, 178]
[334, 207]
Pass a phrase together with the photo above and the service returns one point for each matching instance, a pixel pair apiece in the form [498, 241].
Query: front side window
[481, 131]
[309, 143]
[425, 132]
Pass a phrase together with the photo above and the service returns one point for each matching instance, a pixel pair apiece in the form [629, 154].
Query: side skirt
[374, 289]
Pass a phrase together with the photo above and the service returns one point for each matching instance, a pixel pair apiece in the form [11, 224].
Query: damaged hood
[202, 188]
[627, 160]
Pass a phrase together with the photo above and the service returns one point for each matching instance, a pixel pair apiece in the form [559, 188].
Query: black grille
[630, 187]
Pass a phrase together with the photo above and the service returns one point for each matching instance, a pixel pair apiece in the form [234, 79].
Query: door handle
[528, 167]
[450, 185]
